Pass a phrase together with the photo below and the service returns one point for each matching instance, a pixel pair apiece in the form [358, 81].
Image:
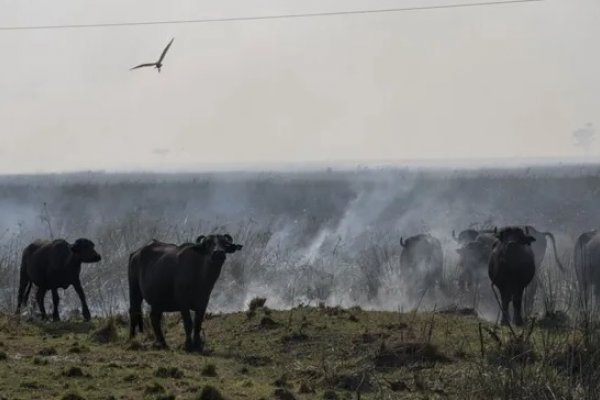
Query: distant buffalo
[176, 278]
[512, 268]
[422, 259]
[51, 265]
[586, 258]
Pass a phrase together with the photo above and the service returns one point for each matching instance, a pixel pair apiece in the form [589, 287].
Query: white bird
[157, 64]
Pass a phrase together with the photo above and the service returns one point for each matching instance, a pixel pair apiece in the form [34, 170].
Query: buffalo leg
[187, 325]
[55, 301]
[198, 318]
[23, 291]
[39, 297]
[135, 308]
[505, 298]
[517, 300]
[155, 318]
[84, 307]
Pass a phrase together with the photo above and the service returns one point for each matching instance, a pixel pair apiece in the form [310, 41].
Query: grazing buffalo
[512, 268]
[586, 258]
[51, 265]
[176, 278]
[422, 259]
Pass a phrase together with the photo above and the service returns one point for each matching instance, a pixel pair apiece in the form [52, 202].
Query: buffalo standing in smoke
[176, 278]
[476, 248]
[422, 260]
[511, 269]
[586, 257]
[52, 265]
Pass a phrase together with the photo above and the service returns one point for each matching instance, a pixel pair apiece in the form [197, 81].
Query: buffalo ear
[233, 248]
[76, 247]
[202, 248]
[200, 238]
[228, 238]
[529, 239]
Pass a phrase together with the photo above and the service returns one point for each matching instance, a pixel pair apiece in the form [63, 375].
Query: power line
[264, 17]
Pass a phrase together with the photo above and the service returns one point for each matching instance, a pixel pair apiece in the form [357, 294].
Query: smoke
[331, 237]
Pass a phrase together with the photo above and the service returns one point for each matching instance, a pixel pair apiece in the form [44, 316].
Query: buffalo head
[514, 235]
[218, 246]
[84, 251]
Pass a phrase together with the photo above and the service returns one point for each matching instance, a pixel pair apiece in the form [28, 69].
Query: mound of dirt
[402, 354]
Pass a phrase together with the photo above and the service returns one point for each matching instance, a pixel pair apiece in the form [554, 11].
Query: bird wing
[143, 65]
[165, 51]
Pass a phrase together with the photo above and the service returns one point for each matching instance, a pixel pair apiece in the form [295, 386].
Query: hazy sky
[507, 81]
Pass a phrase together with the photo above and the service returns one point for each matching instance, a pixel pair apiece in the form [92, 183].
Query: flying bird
[158, 65]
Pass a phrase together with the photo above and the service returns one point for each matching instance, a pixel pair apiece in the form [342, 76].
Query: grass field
[303, 353]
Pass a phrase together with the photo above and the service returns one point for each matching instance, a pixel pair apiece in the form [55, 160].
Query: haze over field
[470, 84]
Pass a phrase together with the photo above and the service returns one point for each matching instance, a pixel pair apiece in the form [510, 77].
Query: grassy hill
[302, 353]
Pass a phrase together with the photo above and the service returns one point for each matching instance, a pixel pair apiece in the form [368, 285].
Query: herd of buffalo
[180, 277]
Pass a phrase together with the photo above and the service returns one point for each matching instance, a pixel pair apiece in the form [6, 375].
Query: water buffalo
[466, 236]
[586, 259]
[539, 246]
[51, 265]
[512, 268]
[422, 259]
[539, 251]
[176, 278]
[474, 257]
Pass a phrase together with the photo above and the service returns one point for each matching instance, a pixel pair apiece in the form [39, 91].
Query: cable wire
[264, 17]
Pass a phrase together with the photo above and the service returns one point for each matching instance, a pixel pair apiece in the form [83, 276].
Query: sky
[479, 83]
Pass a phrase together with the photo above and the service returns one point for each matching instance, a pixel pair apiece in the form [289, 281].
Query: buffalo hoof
[55, 318]
[198, 346]
[160, 346]
[86, 316]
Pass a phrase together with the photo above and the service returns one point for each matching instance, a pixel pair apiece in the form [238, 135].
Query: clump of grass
[47, 351]
[39, 361]
[256, 303]
[72, 396]
[76, 348]
[73, 372]
[30, 385]
[107, 333]
[173, 372]
[282, 381]
[267, 322]
[210, 393]
[209, 370]
[330, 395]
[305, 388]
[154, 388]
[165, 397]
[135, 345]
[402, 354]
[283, 394]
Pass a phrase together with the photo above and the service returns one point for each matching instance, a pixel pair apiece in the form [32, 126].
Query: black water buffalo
[422, 259]
[512, 268]
[539, 246]
[176, 278]
[51, 265]
[586, 259]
